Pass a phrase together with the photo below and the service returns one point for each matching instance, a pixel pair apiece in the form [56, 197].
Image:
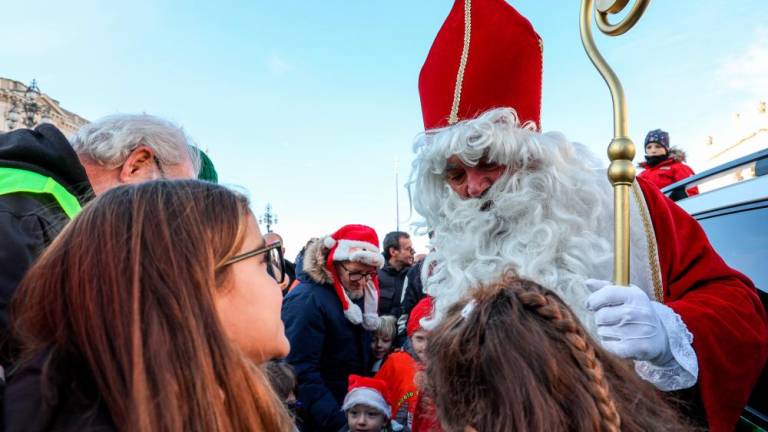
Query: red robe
[719, 305]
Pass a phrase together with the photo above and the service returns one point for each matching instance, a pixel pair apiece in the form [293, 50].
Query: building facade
[746, 134]
[23, 106]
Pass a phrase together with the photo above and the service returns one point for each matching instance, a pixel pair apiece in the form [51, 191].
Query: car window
[742, 240]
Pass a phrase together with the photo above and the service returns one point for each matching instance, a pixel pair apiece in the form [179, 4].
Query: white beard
[551, 219]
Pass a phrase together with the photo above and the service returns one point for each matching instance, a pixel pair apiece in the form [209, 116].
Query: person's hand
[627, 323]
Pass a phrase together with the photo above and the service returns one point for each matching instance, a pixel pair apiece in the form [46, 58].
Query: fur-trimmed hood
[315, 257]
[677, 154]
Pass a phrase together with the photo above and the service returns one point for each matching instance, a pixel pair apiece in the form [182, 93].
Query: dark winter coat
[66, 400]
[325, 347]
[669, 171]
[28, 221]
[391, 289]
[414, 289]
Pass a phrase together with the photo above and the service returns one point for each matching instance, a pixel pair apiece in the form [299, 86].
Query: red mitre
[486, 55]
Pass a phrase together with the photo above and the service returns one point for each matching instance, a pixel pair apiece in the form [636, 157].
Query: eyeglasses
[356, 276]
[274, 253]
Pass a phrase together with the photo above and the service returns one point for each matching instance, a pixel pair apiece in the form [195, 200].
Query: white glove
[627, 323]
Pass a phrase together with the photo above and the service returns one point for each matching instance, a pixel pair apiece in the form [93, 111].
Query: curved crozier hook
[612, 7]
[621, 151]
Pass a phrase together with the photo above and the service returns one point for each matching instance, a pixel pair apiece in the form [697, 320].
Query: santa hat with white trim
[357, 243]
[370, 392]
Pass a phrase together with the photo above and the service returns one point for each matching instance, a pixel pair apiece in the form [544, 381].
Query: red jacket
[719, 305]
[670, 171]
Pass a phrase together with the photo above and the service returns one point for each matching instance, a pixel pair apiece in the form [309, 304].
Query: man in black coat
[328, 320]
[45, 179]
[399, 254]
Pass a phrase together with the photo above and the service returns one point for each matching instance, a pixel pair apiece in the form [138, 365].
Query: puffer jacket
[668, 172]
[325, 346]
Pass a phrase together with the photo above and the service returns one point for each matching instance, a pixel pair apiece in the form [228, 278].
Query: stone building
[25, 106]
[746, 134]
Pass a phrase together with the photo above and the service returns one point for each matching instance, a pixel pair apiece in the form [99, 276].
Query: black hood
[45, 150]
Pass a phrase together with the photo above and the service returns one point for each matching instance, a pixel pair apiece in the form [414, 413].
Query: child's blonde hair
[387, 327]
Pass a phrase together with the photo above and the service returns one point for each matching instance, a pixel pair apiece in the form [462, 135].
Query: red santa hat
[423, 309]
[486, 55]
[370, 392]
[357, 243]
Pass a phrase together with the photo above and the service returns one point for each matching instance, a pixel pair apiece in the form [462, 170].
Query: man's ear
[139, 166]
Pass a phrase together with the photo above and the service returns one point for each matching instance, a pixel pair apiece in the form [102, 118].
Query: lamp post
[31, 107]
[26, 108]
[268, 218]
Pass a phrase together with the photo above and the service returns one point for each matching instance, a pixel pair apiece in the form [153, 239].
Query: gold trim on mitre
[454, 116]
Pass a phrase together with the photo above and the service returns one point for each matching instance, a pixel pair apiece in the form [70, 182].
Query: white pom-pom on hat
[329, 242]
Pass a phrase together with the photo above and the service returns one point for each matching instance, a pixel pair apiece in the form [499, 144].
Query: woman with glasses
[150, 312]
[329, 318]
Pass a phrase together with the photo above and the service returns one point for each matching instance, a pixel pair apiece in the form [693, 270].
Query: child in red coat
[664, 166]
[401, 371]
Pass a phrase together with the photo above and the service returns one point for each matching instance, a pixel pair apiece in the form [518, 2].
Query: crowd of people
[137, 294]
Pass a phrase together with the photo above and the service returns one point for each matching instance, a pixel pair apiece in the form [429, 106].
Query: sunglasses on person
[274, 257]
[356, 276]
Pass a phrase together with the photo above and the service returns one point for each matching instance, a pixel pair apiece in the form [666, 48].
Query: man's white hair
[547, 219]
[109, 140]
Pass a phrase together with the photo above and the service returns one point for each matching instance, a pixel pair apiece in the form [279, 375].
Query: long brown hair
[520, 360]
[126, 291]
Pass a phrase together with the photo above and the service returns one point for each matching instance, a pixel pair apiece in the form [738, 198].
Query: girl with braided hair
[514, 357]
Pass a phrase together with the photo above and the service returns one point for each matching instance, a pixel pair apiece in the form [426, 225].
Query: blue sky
[308, 105]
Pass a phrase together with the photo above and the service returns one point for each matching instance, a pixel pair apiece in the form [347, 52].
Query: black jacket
[64, 400]
[391, 289]
[29, 222]
[325, 346]
[414, 289]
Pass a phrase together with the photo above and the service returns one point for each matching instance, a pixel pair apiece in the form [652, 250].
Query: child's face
[419, 344]
[381, 346]
[362, 418]
[655, 149]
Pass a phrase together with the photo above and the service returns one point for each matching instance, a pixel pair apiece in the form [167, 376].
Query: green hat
[207, 170]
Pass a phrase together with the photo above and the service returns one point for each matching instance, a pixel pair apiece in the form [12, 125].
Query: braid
[550, 308]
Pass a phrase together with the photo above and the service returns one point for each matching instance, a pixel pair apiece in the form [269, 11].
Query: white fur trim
[371, 321]
[353, 313]
[358, 251]
[374, 259]
[368, 397]
[329, 242]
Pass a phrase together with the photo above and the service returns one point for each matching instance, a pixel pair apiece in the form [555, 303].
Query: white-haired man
[45, 179]
[503, 196]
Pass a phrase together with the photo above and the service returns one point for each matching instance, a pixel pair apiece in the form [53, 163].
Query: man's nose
[477, 184]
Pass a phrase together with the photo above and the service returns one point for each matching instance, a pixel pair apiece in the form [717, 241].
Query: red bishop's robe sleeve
[719, 305]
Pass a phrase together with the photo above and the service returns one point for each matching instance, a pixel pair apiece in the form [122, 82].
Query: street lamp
[26, 108]
[31, 107]
[268, 218]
